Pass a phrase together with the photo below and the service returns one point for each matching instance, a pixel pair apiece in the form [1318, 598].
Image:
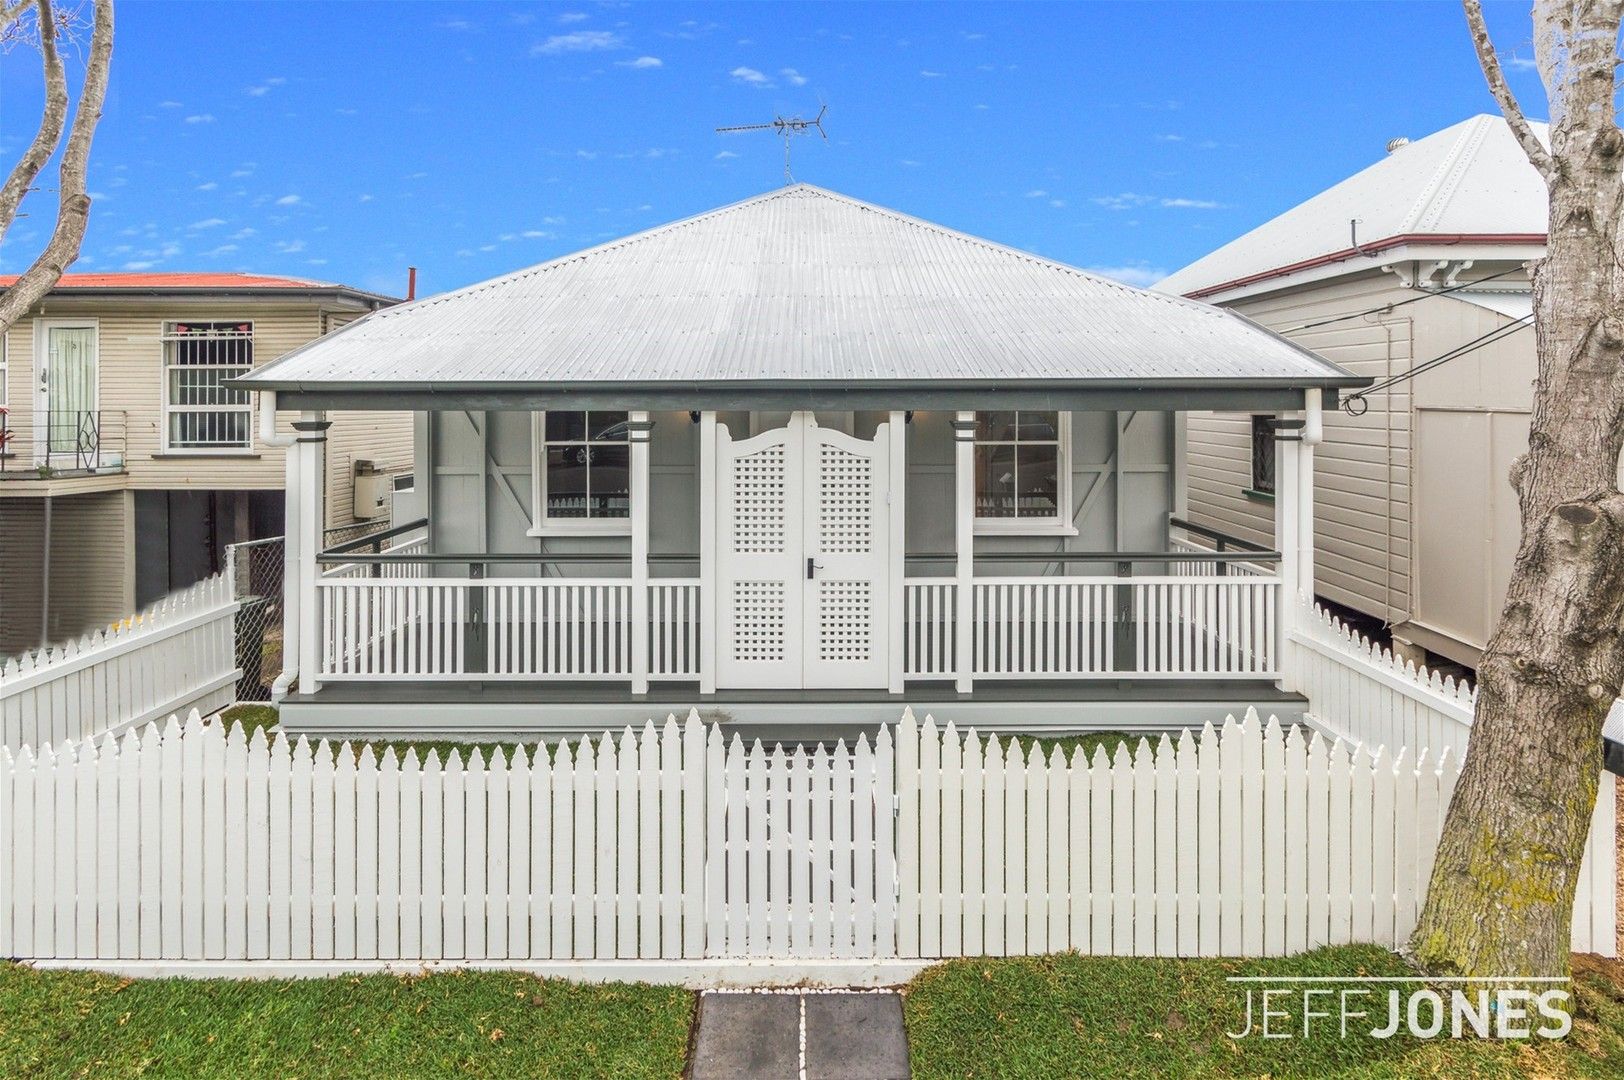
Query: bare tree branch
[10, 13]
[54, 118]
[73, 209]
[1496, 77]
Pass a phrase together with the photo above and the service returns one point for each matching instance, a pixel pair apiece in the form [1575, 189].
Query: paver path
[818, 1035]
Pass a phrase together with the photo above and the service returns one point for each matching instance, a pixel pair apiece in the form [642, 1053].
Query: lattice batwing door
[848, 545]
[759, 564]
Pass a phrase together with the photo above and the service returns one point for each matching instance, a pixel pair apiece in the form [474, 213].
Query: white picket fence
[176, 655]
[1359, 691]
[202, 844]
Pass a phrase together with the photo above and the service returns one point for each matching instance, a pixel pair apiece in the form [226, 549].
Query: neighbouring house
[126, 463]
[1422, 256]
[782, 462]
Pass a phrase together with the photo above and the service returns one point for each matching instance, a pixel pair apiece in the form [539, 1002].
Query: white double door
[803, 558]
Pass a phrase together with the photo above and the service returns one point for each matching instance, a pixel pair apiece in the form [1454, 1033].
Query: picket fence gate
[176, 655]
[197, 842]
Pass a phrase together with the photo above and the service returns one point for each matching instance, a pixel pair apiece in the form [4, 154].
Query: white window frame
[1058, 525]
[540, 523]
[166, 338]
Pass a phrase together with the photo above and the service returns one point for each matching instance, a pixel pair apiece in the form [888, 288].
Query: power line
[1385, 308]
[1499, 333]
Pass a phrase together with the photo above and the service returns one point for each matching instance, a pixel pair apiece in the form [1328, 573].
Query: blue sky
[345, 141]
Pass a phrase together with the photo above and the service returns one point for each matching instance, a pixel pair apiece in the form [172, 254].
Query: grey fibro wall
[478, 499]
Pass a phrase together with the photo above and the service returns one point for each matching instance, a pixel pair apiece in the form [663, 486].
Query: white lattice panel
[760, 621]
[845, 501]
[758, 494]
[845, 620]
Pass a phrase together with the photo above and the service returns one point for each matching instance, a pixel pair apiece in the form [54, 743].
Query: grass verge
[1069, 1015]
[472, 1024]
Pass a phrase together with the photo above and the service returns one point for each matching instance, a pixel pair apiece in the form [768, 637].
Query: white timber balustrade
[177, 654]
[1178, 626]
[198, 849]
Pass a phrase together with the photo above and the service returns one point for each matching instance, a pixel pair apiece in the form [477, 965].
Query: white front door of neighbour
[66, 402]
[803, 550]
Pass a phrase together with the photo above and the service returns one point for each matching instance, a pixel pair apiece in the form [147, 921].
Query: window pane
[1038, 488]
[995, 481]
[606, 425]
[566, 480]
[566, 426]
[611, 481]
[1041, 426]
[206, 430]
[995, 426]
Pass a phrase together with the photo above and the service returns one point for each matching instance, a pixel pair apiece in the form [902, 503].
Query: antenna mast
[787, 128]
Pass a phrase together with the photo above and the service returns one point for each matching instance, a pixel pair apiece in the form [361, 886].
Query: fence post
[964, 487]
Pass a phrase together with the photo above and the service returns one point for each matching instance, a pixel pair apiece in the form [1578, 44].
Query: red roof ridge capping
[179, 280]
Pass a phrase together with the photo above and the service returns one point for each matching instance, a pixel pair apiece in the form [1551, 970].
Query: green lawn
[1072, 1015]
[265, 716]
[469, 1024]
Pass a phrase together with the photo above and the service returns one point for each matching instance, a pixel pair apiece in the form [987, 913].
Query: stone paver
[747, 1036]
[855, 1037]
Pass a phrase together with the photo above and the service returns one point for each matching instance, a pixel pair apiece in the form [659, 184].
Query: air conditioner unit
[371, 492]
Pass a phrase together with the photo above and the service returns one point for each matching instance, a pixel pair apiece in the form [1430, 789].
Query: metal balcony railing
[62, 442]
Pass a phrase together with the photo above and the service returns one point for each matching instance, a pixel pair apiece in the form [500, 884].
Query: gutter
[1401, 240]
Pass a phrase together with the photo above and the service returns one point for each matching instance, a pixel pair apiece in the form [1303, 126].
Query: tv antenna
[787, 127]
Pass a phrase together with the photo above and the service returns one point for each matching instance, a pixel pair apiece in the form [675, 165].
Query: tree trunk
[1501, 897]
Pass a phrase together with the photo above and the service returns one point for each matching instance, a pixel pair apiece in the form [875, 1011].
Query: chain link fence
[256, 569]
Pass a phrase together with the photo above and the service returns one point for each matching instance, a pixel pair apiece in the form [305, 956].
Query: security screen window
[586, 466]
[1018, 466]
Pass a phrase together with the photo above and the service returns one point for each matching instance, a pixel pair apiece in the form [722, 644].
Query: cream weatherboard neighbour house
[783, 462]
[1413, 273]
[126, 466]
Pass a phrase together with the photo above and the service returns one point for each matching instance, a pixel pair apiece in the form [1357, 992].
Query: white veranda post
[964, 507]
[638, 429]
[1313, 433]
[312, 450]
[1287, 510]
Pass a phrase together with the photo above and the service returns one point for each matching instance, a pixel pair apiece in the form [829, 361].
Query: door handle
[811, 565]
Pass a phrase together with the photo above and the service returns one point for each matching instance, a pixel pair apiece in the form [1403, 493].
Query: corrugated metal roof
[1470, 179]
[796, 286]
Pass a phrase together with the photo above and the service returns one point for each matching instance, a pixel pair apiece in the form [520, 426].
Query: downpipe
[269, 436]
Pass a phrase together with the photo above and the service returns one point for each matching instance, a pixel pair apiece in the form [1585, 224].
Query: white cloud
[1036, 193]
[927, 73]
[207, 186]
[586, 155]
[290, 247]
[535, 234]
[1170, 138]
[793, 77]
[725, 155]
[580, 41]
[1191, 204]
[366, 198]
[246, 170]
[347, 112]
[168, 104]
[462, 26]
[750, 76]
[244, 233]
[1126, 201]
[641, 63]
[316, 262]
[223, 249]
[1521, 64]
[980, 106]
[967, 36]
[1058, 204]
[201, 118]
[207, 223]
[909, 162]
[1139, 275]
[288, 200]
[573, 17]
[143, 265]
[265, 87]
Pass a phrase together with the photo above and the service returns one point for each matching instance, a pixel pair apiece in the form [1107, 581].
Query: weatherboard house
[797, 460]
